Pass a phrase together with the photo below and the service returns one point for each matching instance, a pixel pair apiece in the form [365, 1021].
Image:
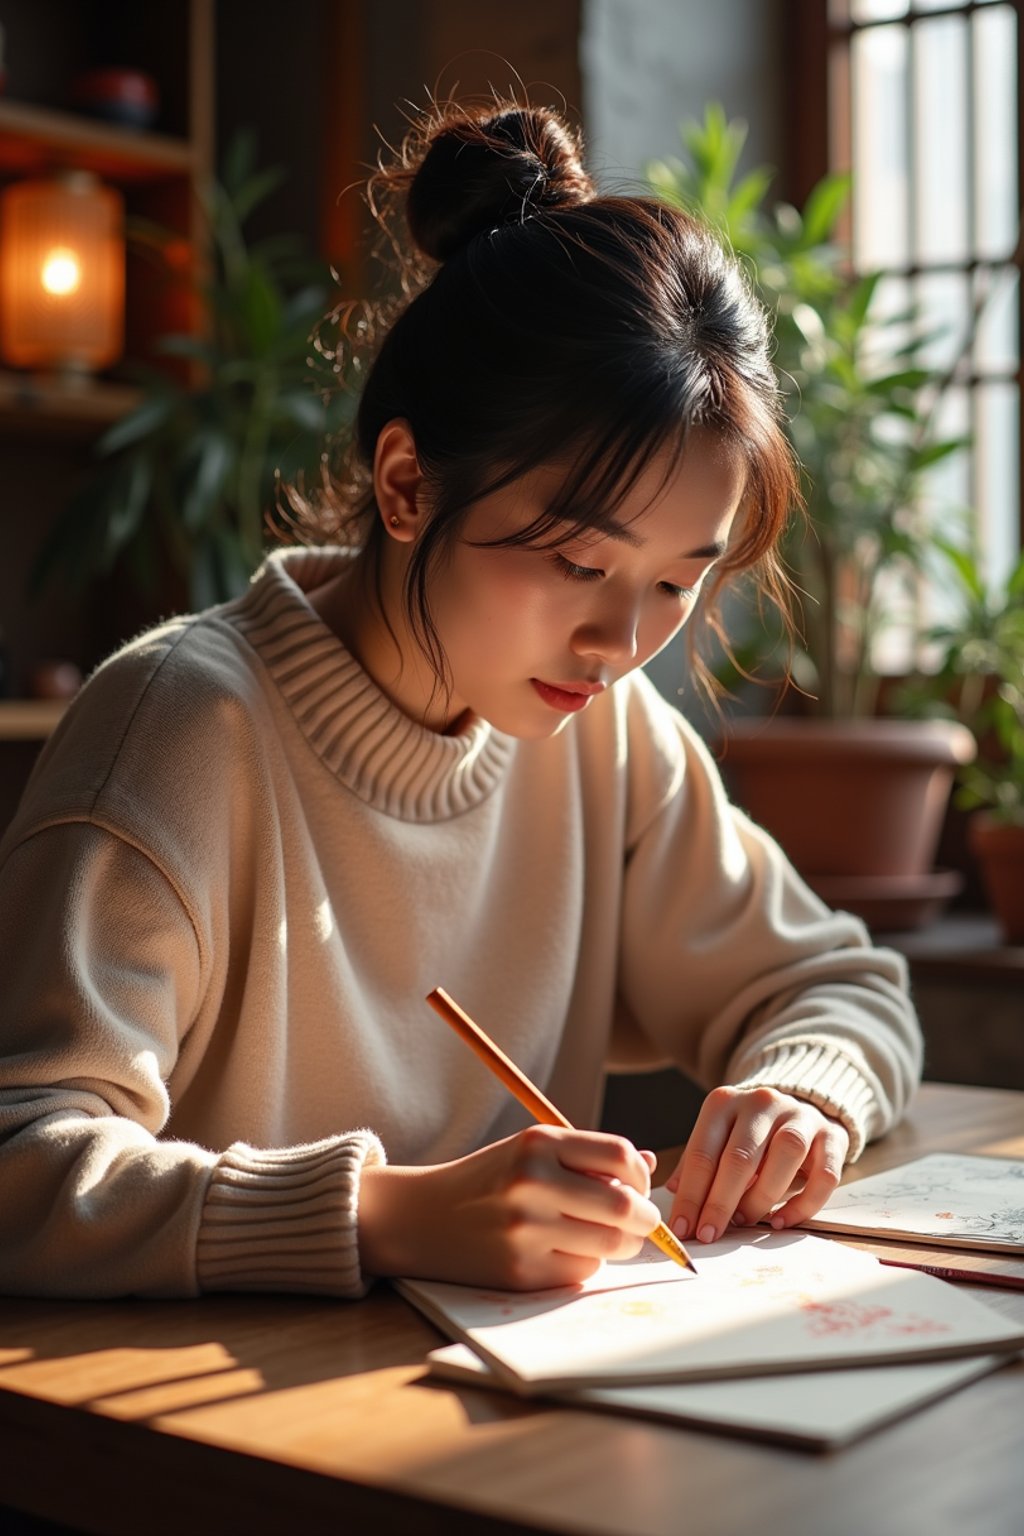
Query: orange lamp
[61, 274]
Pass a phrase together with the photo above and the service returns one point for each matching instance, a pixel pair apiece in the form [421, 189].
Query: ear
[398, 481]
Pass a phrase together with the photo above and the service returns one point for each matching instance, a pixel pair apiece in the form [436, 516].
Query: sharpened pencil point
[664, 1238]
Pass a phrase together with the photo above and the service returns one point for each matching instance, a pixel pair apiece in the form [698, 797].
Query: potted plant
[189, 478]
[980, 682]
[861, 405]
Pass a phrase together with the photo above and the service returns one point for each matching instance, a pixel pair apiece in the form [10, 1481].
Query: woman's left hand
[747, 1151]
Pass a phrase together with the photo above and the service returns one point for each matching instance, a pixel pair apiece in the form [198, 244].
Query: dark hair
[550, 323]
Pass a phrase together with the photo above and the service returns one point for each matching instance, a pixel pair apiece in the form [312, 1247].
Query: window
[924, 107]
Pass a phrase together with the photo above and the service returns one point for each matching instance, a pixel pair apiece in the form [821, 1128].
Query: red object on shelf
[124, 96]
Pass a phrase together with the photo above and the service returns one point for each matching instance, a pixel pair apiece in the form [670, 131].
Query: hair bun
[491, 169]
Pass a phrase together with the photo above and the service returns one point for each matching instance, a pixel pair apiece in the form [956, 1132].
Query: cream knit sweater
[237, 871]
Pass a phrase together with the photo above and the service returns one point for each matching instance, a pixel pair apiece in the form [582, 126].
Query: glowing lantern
[61, 274]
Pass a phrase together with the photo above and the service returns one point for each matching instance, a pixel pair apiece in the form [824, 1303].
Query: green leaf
[132, 485]
[197, 347]
[747, 196]
[145, 421]
[259, 310]
[905, 379]
[256, 190]
[823, 208]
[304, 408]
[934, 453]
[665, 179]
[207, 468]
[861, 296]
[239, 160]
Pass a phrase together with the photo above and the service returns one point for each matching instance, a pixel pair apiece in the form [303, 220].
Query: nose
[610, 632]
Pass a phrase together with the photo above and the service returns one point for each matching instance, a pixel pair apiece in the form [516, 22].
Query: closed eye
[573, 572]
[570, 571]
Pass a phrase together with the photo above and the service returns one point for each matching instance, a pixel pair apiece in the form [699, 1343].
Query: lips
[567, 697]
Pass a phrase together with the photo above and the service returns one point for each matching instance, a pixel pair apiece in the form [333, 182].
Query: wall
[326, 82]
[647, 64]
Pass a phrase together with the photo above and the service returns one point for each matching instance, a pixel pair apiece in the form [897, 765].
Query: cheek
[492, 597]
[662, 625]
[516, 585]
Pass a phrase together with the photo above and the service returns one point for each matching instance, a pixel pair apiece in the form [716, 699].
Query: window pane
[997, 453]
[880, 202]
[995, 95]
[947, 504]
[940, 139]
[943, 301]
[996, 341]
[891, 326]
[878, 10]
[948, 483]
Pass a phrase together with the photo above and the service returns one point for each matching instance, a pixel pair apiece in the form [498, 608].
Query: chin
[529, 730]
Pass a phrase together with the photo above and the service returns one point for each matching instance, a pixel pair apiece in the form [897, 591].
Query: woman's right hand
[542, 1208]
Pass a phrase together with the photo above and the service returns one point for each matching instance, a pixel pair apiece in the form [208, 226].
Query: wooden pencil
[530, 1096]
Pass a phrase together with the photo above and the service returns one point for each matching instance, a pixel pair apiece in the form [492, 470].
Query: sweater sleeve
[100, 976]
[735, 970]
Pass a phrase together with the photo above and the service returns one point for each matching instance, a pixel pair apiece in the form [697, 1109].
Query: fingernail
[681, 1228]
[778, 1223]
[707, 1233]
[738, 1220]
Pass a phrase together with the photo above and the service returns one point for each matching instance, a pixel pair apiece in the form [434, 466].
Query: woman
[426, 754]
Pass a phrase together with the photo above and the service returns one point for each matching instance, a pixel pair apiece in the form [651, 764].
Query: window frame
[817, 138]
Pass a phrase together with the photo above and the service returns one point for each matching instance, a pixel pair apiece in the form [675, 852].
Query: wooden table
[270, 1416]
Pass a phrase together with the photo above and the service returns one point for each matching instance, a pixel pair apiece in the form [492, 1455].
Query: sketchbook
[815, 1410]
[762, 1303]
[955, 1200]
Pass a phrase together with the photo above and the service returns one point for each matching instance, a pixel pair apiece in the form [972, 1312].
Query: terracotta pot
[998, 847]
[858, 805]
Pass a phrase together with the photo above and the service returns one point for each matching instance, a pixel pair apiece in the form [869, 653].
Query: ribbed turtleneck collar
[388, 760]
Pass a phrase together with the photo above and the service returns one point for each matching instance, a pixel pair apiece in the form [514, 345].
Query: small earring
[395, 520]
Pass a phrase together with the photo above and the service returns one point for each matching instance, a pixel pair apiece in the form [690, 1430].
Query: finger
[598, 1153]
[738, 1169]
[558, 1174]
[824, 1172]
[695, 1172]
[614, 1206]
[788, 1148]
[587, 1239]
[540, 1270]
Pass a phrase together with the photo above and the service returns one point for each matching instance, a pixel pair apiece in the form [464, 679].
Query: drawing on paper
[947, 1197]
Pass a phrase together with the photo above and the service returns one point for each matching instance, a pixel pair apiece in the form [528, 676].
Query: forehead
[703, 478]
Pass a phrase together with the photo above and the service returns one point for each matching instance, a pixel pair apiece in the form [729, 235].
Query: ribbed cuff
[286, 1219]
[811, 1070]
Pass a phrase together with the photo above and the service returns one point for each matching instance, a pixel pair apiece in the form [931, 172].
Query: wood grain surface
[279, 1414]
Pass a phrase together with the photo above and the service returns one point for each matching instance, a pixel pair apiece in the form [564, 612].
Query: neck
[364, 606]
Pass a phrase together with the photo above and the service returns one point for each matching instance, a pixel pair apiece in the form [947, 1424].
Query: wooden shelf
[29, 719]
[48, 403]
[38, 139]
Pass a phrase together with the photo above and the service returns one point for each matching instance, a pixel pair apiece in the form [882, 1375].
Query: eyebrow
[713, 551]
[625, 535]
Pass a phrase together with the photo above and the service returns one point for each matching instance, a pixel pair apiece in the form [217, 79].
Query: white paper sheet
[817, 1410]
[763, 1302]
[954, 1199]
